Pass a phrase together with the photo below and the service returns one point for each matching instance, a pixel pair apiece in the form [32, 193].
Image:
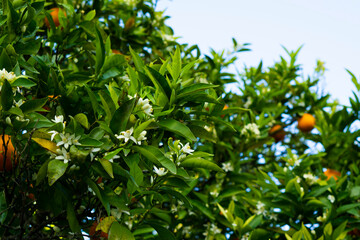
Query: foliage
[120, 131]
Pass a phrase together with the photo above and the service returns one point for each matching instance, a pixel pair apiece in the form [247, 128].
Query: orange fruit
[96, 235]
[54, 12]
[306, 123]
[10, 153]
[277, 132]
[332, 173]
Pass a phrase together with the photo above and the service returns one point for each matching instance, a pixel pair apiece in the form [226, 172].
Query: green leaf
[355, 192]
[347, 207]
[142, 127]
[41, 175]
[71, 217]
[90, 15]
[177, 195]
[156, 156]
[107, 166]
[139, 65]
[47, 144]
[328, 229]
[306, 234]
[7, 96]
[198, 87]
[82, 119]
[120, 232]
[97, 191]
[202, 208]
[33, 105]
[200, 163]
[339, 231]
[135, 171]
[134, 84]
[3, 207]
[23, 82]
[159, 81]
[5, 61]
[94, 102]
[163, 232]
[176, 64]
[178, 128]
[259, 234]
[56, 169]
[90, 142]
[121, 116]
[100, 51]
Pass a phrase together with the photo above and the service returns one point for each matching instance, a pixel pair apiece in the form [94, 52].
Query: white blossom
[251, 128]
[18, 103]
[58, 119]
[186, 149]
[322, 218]
[114, 157]
[227, 167]
[68, 140]
[126, 135]
[141, 137]
[53, 134]
[186, 230]
[260, 209]
[160, 171]
[245, 236]
[215, 229]
[63, 155]
[331, 198]
[92, 151]
[145, 106]
[10, 76]
[309, 178]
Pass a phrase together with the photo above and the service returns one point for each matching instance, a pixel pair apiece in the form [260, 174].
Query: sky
[327, 29]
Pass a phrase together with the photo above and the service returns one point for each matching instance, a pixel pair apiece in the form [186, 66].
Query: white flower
[141, 137]
[294, 161]
[160, 171]
[126, 135]
[310, 179]
[227, 167]
[260, 208]
[251, 128]
[18, 103]
[174, 208]
[186, 230]
[58, 119]
[214, 192]
[67, 140]
[186, 149]
[331, 198]
[215, 229]
[248, 102]
[114, 157]
[145, 106]
[92, 151]
[322, 218]
[10, 76]
[53, 134]
[245, 236]
[65, 156]
[273, 216]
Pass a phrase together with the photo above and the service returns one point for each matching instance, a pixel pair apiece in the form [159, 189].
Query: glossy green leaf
[194, 88]
[159, 81]
[82, 119]
[156, 156]
[107, 166]
[121, 116]
[200, 163]
[33, 105]
[90, 142]
[71, 217]
[120, 232]
[7, 96]
[176, 64]
[55, 170]
[202, 208]
[100, 51]
[163, 232]
[178, 128]
[23, 82]
[137, 61]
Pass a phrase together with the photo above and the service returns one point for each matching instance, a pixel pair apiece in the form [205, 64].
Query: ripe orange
[10, 153]
[332, 173]
[96, 235]
[306, 123]
[277, 132]
[115, 51]
[54, 12]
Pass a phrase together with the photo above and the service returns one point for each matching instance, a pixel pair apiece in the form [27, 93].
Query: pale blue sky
[328, 29]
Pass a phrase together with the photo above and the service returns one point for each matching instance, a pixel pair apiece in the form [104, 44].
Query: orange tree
[117, 131]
